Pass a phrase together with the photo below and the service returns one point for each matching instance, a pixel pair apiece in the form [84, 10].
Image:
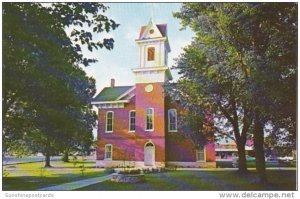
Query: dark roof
[161, 27]
[142, 31]
[111, 93]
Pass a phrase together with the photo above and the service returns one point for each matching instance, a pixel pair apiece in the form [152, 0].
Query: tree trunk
[259, 150]
[242, 157]
[47, 160]
[47, 154]
[65, 157]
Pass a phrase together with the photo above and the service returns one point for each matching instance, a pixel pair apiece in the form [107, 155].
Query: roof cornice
[150, 69]
[110, 102]
[126, 93]
[151, 39]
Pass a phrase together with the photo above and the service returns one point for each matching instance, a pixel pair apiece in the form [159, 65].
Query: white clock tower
[150, 76]
[153, 54]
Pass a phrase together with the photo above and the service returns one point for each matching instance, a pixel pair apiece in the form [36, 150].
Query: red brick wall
[155, 100]
[134, 143]
[121, 139]
[179, 148]
[130, 146]
[210, 152]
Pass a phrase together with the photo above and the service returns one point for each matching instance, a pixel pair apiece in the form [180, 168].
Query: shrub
[82, 169]
[171, 168]
[154, 170]
[146, 170]
[134, 171]
[109, 170]
[162, 169]
[137, 171]
[5, 173]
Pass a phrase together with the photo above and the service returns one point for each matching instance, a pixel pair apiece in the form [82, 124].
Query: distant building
[228, 150]
[138, 124]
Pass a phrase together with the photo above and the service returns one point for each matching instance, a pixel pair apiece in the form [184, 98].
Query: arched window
[109, 121]
[149, 119]
[132, 121]
[149, 144]
[151, 54]
[172, 120]
[108, 151]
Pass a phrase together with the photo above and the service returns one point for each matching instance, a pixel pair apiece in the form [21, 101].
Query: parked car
[235, 160]
[285, 158]
[271, 159]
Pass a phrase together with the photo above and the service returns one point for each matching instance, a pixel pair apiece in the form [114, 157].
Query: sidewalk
[77, 184]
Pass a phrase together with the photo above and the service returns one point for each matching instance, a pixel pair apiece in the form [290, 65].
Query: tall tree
[257, 45]
[273, 64]
[46, 93]
[206, 85]
[212, 76]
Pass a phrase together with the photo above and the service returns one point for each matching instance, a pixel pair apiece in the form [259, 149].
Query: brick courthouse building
[137, 124]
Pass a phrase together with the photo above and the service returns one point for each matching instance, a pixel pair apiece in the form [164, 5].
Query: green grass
[32, 176]
[203, 181]
[252, 164]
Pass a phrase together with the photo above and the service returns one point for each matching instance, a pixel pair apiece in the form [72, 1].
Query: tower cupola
[153, 47]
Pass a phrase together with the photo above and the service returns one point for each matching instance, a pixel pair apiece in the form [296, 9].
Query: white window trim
[150, 130]
[169, 123]
[204, 151]
[111, 153]
[129, 130]
[112, 123]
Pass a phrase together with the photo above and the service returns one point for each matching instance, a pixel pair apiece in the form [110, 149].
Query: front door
[149, 154]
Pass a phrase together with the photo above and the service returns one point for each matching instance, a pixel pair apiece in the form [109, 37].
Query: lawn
[203, 181]
[251, 164]
[33, 176]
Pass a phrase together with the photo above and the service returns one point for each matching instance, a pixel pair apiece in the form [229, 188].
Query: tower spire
[152, 12]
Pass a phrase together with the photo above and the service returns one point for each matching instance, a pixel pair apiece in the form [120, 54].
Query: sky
[118, 62]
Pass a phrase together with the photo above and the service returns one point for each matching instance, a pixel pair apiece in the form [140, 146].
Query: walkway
[76, 185]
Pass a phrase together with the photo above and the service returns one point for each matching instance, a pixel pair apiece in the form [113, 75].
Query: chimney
[112, 83]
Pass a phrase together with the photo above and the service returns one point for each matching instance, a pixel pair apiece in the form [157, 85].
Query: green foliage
[257, 39]
[171, 168]
[109, 170]
[46, 93]
[132, 171]
[5, 173]
[82, 169]
[65, 157]
[242, 63]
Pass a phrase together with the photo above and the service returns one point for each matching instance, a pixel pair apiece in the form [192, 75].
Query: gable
[111, 93]
[153, 31]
